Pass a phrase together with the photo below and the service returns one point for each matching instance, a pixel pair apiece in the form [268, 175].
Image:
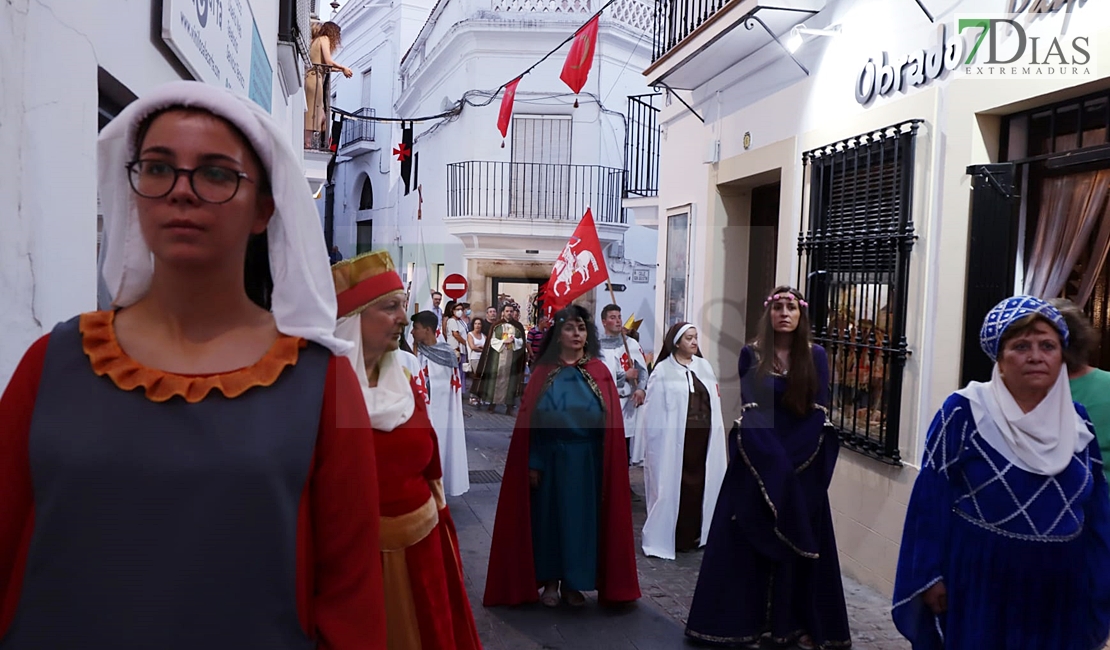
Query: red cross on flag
[456, 383]
[579, 268]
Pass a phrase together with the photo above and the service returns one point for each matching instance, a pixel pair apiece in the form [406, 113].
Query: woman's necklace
[781, 362]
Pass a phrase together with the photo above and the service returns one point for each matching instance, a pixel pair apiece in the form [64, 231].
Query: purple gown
[770, 565]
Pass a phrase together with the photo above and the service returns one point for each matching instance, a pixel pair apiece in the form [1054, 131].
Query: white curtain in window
[1072, 207]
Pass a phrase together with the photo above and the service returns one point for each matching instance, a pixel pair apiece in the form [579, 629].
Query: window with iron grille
[854, 268]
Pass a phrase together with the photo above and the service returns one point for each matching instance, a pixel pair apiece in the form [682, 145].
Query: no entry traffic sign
[454, 286]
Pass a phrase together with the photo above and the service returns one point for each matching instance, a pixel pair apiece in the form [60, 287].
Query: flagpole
[624, 339]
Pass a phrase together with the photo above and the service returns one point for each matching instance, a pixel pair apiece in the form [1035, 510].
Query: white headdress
[303, 300]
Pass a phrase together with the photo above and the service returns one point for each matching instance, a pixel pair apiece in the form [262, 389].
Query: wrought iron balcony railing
[359, 130]
[516, 190]
[318, 87]
[677, 19]
[641, 149]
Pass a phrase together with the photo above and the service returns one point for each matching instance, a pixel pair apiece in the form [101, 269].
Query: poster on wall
[678, 246]
[218, 41]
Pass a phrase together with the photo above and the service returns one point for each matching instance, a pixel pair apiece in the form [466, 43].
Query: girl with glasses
[194, 468]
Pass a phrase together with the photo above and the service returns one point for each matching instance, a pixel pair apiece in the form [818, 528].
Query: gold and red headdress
[361, 280]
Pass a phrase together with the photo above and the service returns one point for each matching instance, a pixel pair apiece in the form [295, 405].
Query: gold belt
[402, 531]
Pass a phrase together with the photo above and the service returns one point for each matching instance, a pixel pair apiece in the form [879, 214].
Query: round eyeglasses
[154, 179]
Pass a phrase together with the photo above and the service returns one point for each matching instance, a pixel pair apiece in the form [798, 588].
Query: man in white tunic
[443, 387]
[629, 369]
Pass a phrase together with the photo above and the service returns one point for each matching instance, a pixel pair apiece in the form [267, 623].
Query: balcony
[641, 160]
[507, 205]
[359, 135]
[641, 150]
[695, 40]
[317, 143]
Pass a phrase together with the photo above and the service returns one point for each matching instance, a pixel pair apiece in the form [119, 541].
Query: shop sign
[218, 42]
[1033, 9]
[884, 77]
[982, 45]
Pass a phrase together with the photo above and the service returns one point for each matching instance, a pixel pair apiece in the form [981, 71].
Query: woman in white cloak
[684, 446]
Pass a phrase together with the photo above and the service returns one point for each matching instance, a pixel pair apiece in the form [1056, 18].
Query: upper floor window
[366, 198]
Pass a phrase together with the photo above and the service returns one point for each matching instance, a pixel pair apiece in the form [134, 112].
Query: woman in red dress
[425, 597]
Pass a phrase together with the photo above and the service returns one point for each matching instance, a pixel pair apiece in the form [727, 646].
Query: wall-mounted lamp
[794, 41]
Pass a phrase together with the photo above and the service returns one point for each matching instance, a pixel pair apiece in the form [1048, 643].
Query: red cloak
[511, 578]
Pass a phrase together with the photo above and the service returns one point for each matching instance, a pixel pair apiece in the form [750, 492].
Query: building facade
[499, 210]
[366, 181]
[69, 67]
[907, 171]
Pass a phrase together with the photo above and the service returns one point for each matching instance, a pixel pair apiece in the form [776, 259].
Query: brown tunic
[699, 418]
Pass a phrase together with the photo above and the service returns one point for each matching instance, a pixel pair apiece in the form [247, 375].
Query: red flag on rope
[579, 268]
[507, 107]
[581, 56]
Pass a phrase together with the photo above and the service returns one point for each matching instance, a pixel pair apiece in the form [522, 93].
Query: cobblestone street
[655, 622]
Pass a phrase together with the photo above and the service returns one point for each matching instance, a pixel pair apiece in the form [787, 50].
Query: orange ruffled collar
[98, 339]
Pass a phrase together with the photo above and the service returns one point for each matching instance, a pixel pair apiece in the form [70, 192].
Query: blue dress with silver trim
[1025, 558]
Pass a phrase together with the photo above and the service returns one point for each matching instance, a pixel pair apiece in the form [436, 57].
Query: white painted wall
[779, 102]
[468, 46]
[374, 38]
[786, 114]
[48, 109]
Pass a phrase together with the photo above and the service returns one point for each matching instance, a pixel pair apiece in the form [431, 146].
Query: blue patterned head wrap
[1009, 311]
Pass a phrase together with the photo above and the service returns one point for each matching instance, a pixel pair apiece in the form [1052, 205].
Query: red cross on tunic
[456, 383]
[426, 380]
[420, 386]
[626, 362]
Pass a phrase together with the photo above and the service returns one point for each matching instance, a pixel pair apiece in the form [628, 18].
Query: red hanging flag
[507, 107]
[581, 56]
[579, 268]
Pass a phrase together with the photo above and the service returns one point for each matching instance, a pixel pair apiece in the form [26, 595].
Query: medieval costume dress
[577, 525]
[621, 360]
[685, 457]
[145, 509]
[1019, 534]
[771, 563]
[443, 398]
[425, 595]
[500, 375]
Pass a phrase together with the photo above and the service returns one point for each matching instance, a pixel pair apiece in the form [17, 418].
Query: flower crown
[784, 296]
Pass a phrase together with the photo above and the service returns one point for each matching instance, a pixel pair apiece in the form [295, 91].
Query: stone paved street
[654, 623]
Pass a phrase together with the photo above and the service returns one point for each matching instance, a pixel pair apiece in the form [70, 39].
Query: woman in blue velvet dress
[564, 517]
[1007, 537]
[770, 567]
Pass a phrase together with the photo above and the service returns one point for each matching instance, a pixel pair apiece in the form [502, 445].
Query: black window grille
[854, 266]
[641, 150]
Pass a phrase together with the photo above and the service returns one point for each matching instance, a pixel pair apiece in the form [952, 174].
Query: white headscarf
[391, 403]
[1042, 441]
[303, 300]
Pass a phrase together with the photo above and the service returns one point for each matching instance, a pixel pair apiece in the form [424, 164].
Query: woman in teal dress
[1090, 386]
[564, 518]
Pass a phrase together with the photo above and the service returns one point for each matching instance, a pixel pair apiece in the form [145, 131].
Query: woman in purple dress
[770, 567]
